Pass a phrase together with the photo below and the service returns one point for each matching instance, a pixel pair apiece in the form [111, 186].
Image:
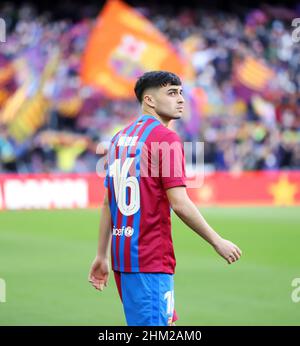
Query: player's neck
[164, 121]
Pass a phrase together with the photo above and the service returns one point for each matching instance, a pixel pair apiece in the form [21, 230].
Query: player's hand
[229, 251]
[99, 273]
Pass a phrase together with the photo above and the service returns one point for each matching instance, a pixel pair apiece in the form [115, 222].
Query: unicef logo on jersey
[127, 231]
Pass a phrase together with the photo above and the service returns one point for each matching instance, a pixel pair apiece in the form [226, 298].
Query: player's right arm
[99, 272]
[191, 216]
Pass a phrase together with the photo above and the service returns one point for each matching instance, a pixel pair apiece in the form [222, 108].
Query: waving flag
[121, 47]
[26, 111]
[254, 74]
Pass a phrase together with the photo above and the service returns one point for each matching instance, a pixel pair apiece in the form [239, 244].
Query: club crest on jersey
[127, 231]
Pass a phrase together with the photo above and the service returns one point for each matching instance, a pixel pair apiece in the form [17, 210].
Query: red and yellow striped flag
[254, 74]
[24, 114]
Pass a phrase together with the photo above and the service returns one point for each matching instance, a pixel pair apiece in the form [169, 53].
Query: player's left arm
[99, 272]
[191, 216]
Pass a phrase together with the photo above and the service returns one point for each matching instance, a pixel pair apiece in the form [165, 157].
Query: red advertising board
[65, 191]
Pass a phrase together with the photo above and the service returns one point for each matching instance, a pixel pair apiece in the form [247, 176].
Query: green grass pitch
[45, 257]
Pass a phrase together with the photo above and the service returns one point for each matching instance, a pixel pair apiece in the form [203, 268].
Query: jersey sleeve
[106, 180]
[172, 161]
[106, 163]
[106, 168]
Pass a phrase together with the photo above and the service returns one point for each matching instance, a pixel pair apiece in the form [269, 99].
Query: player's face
[168, 101]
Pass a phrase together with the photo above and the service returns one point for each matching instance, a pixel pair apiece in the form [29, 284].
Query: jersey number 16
[121, 183]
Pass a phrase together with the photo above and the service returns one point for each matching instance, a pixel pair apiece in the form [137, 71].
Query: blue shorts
[148, 298]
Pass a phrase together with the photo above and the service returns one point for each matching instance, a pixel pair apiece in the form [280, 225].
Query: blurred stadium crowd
[242, 130]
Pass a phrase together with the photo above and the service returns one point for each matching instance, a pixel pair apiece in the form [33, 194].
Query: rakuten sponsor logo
[45, 193]
[127, 231]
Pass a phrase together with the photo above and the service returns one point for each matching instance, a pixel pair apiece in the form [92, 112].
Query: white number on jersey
[121, 183]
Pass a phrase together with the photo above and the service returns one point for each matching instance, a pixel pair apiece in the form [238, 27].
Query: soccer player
[143, 181]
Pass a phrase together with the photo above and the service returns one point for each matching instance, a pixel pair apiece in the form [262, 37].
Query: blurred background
[246, 78]
[67, 71]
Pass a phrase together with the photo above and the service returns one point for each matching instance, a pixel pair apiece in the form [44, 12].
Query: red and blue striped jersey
[143, 161]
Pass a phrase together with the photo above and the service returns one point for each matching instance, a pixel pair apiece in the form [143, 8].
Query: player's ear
[149, 100]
